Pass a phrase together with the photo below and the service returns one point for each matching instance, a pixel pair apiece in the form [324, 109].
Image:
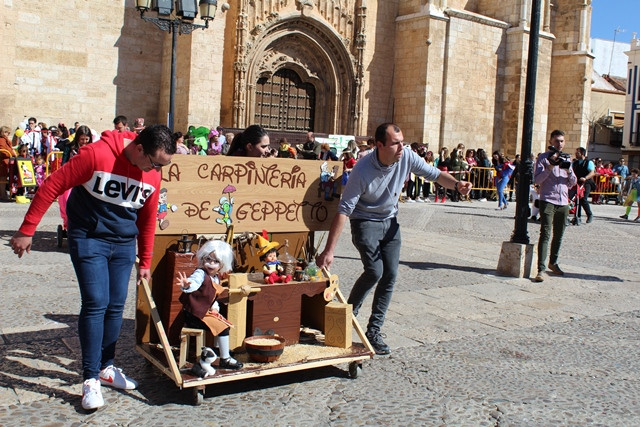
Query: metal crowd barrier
[482, 178]
[608, 185]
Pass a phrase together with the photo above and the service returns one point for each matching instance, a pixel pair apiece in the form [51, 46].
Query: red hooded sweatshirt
[111, 200]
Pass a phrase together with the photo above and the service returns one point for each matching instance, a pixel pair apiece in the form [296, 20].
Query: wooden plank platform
[154, 353]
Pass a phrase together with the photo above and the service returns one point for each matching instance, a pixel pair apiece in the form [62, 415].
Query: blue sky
[608, 15]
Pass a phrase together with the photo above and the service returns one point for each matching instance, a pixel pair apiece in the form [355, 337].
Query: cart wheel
[355, 369]
[60, 235]
[198, 395]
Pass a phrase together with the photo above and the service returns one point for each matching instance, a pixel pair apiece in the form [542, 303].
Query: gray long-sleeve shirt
[373, 190]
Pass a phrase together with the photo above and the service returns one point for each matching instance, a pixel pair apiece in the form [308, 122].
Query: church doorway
[285, 102]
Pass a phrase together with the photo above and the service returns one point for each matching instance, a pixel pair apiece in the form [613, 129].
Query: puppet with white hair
[199, 294]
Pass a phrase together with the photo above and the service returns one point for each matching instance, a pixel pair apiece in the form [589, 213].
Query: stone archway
[317, 55]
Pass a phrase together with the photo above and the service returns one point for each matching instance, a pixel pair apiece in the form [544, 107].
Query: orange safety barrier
[54, 162]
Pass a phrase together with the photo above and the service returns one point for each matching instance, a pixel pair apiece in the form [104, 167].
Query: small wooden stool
[185, 335]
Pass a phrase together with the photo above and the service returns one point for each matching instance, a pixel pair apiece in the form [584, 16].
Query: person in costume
[200, 292]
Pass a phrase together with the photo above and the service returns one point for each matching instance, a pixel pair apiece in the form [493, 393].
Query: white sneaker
[113, 377]
[482, 200]
[91, 394]
[419, 200]
[410, 201]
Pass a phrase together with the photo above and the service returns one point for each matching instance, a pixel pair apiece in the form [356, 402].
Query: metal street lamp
[180, 22]
[520, 234]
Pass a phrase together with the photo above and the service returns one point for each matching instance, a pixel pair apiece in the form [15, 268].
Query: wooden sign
[207, 194]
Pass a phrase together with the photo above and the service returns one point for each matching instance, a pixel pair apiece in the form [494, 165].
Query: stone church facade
[447, 71]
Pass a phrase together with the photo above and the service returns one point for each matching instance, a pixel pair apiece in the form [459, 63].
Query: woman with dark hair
[504, 171]
[253, 142]
[83, 136]
[178, 138]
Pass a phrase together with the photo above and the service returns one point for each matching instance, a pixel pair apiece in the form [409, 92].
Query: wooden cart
[258, 201]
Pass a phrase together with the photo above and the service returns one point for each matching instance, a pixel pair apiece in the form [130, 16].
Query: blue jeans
[103, 270]
[379, 245]
[500, 186]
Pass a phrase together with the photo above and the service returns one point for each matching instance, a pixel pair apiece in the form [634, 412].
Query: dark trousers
[379, 245]
[584, 201]
[553, 218]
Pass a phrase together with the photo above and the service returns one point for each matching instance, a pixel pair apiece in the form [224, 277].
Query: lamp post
[520, 234]
[180, 22]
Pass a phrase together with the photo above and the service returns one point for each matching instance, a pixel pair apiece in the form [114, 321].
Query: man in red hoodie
[116, 182]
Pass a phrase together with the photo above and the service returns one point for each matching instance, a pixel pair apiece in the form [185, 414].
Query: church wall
[436, 43]
[474, 76]
[101, 63]
[504, 10]
[410, 78]
[544, 99]
[108, 61]
[569, 87]
[407, 7]
[571, 70]
[510, 140]
[468, 5]
[200, 90]
[379, 63]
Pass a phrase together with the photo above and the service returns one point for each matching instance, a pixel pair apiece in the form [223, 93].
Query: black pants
[584, 201]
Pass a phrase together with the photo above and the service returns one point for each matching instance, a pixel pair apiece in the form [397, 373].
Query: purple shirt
[554, 184]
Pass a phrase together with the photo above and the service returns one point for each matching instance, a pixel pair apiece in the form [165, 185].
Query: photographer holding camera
[554, 175]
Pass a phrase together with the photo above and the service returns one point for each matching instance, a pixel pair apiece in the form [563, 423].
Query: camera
[563, 160]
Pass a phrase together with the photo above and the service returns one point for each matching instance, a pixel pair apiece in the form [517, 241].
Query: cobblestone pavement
[469, 347]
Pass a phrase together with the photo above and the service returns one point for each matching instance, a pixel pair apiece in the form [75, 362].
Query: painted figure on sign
[163, 209]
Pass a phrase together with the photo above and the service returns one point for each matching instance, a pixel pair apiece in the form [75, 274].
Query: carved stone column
[360, 45]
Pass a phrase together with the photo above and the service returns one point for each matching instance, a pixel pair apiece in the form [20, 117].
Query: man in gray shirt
[370, 201]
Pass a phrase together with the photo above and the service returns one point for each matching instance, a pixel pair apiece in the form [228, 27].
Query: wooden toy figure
[272, 267]
[199, 294]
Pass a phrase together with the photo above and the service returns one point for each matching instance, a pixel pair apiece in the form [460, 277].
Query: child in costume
[272, 268]
[199, 294]
[40, 169]
[634, 191]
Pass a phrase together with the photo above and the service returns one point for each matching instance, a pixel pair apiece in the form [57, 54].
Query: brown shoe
[539, 278]
[556, 270]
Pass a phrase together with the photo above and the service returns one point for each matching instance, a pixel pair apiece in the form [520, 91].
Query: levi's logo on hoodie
[118, 190]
